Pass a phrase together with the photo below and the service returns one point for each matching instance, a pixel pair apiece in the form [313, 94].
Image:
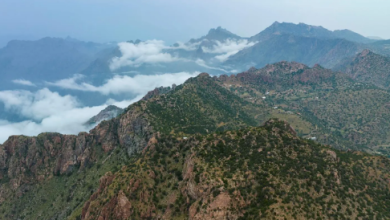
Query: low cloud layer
[119, 84]
[143, 52]
[38, 105]
[48, 111]
[227, 48]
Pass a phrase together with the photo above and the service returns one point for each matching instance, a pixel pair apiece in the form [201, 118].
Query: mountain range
[301, 134]
[55, 58]
[195, 151]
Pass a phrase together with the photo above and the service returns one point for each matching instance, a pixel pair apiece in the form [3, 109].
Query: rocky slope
[194, 152]
[28, 163]
[109, 112]
[342, 112]
[254, 173]
[368, 67]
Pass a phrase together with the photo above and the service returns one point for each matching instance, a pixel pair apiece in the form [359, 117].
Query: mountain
[51, 175]
[287, 47]
[253, 173]
[305, 44]
[374, 38]
[189, 58]
[109, 112]
[368, 67]
[305, 30]
[381, 47]
[193, 152]
[217, 34]
[46, 59]
[328, 106]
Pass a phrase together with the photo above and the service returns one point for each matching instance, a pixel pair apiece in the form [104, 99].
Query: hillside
[368, 67]
[34, 170]
[288, 47]
[195, 152]
[253, 173]
[337, 109]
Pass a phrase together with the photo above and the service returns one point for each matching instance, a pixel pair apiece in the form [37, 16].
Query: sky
[174, 20]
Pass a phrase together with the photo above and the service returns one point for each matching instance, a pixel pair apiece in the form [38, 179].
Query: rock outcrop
[25, 161]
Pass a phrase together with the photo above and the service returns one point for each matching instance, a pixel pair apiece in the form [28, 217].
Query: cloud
[144, 52]
[202, 63]
[48, 111]
[187, 46]
[119, 84]
[227, 48]
[23, 82]
[38, 105]
[65, 121]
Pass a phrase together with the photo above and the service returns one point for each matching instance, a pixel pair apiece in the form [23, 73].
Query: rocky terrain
[109, 112]
[266, 172]
[368, 67]
[195, 151]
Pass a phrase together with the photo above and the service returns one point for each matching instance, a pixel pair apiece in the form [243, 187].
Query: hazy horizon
[172, 21]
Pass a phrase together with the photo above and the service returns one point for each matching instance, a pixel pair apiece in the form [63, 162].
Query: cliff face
[25, 161]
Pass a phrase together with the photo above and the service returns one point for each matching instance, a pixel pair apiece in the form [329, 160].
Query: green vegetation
[202, 154]
[255, 173]
[200, 106]
[62, 196]
[320, 103]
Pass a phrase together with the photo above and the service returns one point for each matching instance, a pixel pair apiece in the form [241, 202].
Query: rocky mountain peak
[109, 112]
[365, 52]
[220, 34]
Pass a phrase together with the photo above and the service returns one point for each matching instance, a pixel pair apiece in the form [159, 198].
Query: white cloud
[23, 82]
[65, 121]
[124, 103]
[187, 46]
[202, 63]
[143, 52]
[227, 48]
[50, 112]
[136, 85]
[37, 105]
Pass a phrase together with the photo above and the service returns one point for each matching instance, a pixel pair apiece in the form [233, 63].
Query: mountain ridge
[368, 66]
[194, 147]
[306, 30]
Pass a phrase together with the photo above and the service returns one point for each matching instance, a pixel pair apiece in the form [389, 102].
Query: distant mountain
[288, 47]
[217, 34]
[189, 57]
[305, 30]
[368, 67]
[374, 38]
[46, 59]
[381, 47]
[109, 112]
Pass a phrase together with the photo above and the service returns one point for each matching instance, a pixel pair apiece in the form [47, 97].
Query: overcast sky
[180, 20]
